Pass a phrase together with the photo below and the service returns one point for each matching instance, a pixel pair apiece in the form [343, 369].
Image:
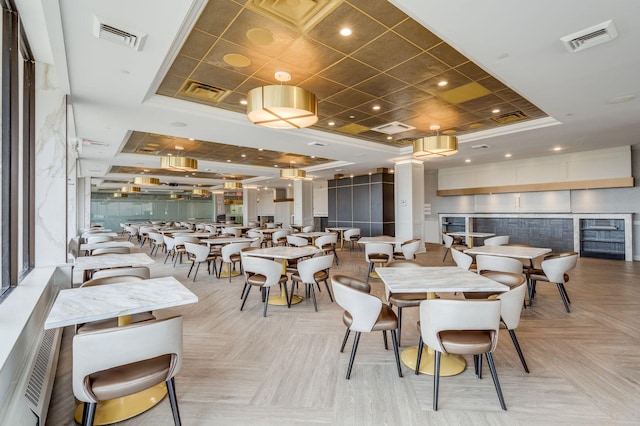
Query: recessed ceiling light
[275, 165]
[389, 137]
[467, 160]
[508, 155]
[313, 156]
[243, 102]
[375, 107]
[352, 116]
[228, 161]
[260, 149]
[331, 123]
[169, 154]
[193, 174]
[495, 111]
[557, 148]
[191, 139]
[370, 173]
[345, 32]
[186, 175]
[243, 155]
[442, 83]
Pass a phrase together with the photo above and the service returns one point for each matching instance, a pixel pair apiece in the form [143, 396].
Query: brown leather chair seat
[387, 319]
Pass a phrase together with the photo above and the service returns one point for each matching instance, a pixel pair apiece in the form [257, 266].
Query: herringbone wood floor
[286, 369]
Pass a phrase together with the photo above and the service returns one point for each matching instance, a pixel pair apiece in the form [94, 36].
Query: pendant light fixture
[120, 195]
[175, 197]
[177, 163]
[199, 192]
[282, 106]
[292, 173]
[435, 146]
[146, 181]
[130, 189]
[232, 184]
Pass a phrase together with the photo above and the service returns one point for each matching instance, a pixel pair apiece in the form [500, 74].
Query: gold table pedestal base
[119, 409]
[450, 365]
[280, 300]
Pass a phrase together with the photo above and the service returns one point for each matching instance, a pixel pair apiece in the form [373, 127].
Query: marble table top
[338, 228]
[436, 279]
[284, 252]
[228, 240]
[518, 252]
[311, 234]
[106, 244]
[472, 234]
[99, 234]
[112, 261]
[86, 304]
[383, 239]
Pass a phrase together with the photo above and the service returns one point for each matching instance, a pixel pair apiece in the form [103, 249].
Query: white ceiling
[112, 87]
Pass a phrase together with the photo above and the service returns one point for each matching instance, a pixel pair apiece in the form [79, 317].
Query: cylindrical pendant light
[146, 180]
[181, 164]
[435, 146]
[130, 189]
[232, 184]
[292, 174]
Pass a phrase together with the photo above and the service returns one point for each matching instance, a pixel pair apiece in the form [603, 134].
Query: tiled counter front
[554, 233]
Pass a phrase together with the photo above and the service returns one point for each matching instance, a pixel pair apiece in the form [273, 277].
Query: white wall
[320, 198]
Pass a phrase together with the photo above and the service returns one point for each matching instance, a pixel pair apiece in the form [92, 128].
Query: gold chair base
[119, 409]
[450, 365]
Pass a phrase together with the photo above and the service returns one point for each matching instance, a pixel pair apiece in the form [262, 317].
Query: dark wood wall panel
[344, 204]
[361, 203]
[364, 202]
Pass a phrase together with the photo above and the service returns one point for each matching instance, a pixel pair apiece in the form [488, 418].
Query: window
[17, 152]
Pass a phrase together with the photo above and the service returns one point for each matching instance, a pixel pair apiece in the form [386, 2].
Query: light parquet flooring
[286, 369]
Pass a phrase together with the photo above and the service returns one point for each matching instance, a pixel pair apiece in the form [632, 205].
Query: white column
[249, 205]
[303, 202]
[409, 198]
[50, 169]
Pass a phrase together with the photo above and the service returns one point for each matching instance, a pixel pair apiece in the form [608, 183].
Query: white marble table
[518, 252]
[82, 305]
[99, 234]
[311, 235]
[284, 253]
[86, 304]
[227, 240]
[383, 239]
[428, 279]
[112, 261]
[469, 236]
[340, 230]
[106, 244]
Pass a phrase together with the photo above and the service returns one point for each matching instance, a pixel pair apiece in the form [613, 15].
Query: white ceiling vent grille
[121, 36]
[317, 144]
[481, 146]
[590, 37]
[393, 128]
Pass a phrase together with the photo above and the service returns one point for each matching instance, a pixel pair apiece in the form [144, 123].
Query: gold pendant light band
[175, 197]
[435, 146]
[200, 192]
[292, 174]
[130, 189]
[146, 180]
[181, 164]
[232, 185]
[282, 107]
[120, 195]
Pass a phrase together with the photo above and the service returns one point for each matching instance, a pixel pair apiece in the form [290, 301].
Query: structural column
[249, 205]
[409, 198]
[302, 202]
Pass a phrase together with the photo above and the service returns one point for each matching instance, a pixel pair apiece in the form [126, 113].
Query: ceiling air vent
[510, 117]
[121, 36]
[481, 146]
[195, 89]
[393, 128]
[590, 37]
[317, 144]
